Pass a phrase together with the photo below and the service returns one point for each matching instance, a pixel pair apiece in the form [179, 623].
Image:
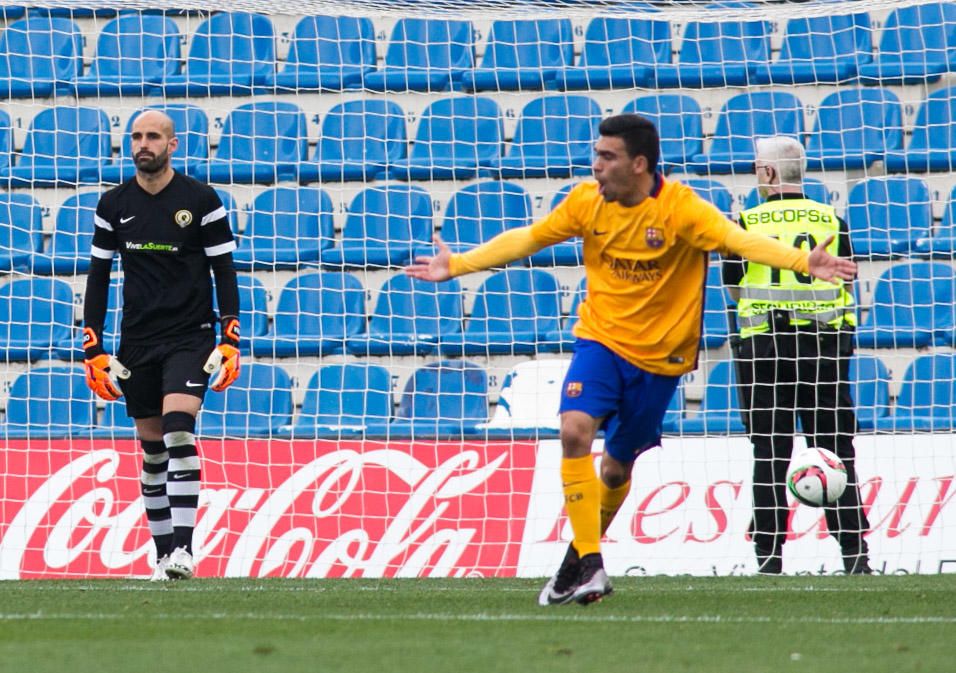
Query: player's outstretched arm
[435, 268]
[826, 267]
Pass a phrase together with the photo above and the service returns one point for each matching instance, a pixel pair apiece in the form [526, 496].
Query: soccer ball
[816, 477]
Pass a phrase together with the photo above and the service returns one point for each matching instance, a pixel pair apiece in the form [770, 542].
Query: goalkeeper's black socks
[152, 484]
[183, 480]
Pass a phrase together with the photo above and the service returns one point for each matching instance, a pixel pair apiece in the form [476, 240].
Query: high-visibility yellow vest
[801, 223]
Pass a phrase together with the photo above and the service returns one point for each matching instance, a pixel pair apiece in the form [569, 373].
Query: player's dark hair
[639, 135]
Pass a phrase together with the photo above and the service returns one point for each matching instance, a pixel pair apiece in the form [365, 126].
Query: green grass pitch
[650, 625]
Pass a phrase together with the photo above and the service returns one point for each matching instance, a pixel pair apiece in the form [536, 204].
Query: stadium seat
[932, 145]
[287, 228]
[927, 397]
[674, 414]
[941, 243]
[359, 140]
[261, 142]
[39, 56]
[383, 226]
[562, 337]
[456, 136]
[21, 231]
[912, 307]
[341, 399]
[554, 138]
[258, 404]
[68, 251]
[49, 403]
[915, 47]
[444, 399]
[618, 53]
[328, 53]
[529, 400]
[230, 54]
[887, 215]
[716, 54]
[315, 313]
[6, 141]
[870, 389]
[425, 55]
[854, 128]
[36, 315]
[819, 49]
[679, 124]
[515, 312]
[522, 55]
[253, 310]
[712, 191]
[65, 145]
[813, 189]
[719, 412]
[479, 212]
[411, 317]
[714, 328]
[744, 118]
[134, 52]
[192, 131]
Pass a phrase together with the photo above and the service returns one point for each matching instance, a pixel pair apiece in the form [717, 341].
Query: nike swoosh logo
[191, 384]
[599, 233]
[178, 476]
[124, 220]
[152, 491]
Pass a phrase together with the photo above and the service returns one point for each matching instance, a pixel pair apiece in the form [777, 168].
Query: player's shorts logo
[183, 218]
[654, 237]
[574, 389]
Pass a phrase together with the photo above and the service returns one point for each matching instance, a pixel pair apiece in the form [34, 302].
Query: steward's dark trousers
[802, 373]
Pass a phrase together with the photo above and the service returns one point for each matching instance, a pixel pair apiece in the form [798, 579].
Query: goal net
[387, 427]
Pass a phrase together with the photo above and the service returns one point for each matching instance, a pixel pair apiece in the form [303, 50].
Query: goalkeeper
[169, 230]
[646, 246]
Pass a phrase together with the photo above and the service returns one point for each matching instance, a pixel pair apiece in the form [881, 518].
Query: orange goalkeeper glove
[102, 370]
[223, 363]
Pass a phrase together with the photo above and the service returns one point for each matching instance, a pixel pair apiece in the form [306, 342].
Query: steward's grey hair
[786, 155]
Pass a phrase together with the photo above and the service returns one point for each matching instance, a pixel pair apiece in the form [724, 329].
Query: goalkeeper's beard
[152, 165]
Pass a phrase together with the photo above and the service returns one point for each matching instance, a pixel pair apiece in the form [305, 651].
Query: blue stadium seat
[927, 398]
[617, 52]
[253, 310]
[679, 124]
[49, 402]
[230, 54]
[315, 313]
[932, 145]
[341, 399]
[870, 389]
[554, 138]
[287, 228]
[719, 412]
[411, 317]
[716, 54]
[714, 329]
[6, 141]
[819, 49]
[941, 243]
[425, 55]
[192, 131]
[515, 312]
[11, 12]
[68, 251]
[65, 145]
[562, 337]
[36, 315]
[328, 53]
[258, 404]
[854, 128]
[359, 140]
[712, 191]
[456, 136]
[912, 307]
[916, 46]
[522, 55]
[742, 120]
[260, 142]
[479, 212]
[134, 52]
[38, 56]
[441, 399]
[383, 227]
[675, 412]
[813, 188]
[21, 231]
[887, 215]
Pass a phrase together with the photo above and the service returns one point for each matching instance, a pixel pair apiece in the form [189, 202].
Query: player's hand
[102, 374]
[434, 268]
[826, 267]
[223, 366]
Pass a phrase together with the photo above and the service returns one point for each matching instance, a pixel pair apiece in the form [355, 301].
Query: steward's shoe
[561, 587]
[159, 572]
[180, 565]
[593, 584]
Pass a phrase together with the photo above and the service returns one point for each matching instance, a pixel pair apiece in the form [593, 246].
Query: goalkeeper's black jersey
[165, 242]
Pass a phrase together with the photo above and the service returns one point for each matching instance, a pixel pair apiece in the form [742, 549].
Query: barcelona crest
[573, 389]
[654, 237]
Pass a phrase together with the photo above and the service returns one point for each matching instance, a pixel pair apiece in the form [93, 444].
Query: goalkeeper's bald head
[156, 119]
